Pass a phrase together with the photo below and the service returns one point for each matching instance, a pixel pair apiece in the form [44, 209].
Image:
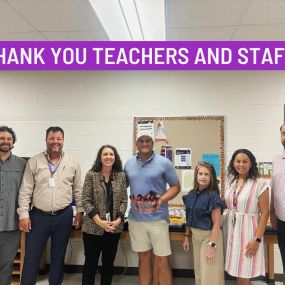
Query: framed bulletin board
[204, 135]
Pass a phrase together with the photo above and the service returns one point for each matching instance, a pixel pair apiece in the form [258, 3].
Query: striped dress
[239, 227]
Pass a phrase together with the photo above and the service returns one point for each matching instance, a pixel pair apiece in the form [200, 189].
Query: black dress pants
[44, 226]
[281, 240]
[93, 246]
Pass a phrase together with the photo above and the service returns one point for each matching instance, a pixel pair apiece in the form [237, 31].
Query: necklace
[106, 175]
[237, 191]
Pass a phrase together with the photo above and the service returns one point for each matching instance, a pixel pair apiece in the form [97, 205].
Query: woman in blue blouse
[203, 214]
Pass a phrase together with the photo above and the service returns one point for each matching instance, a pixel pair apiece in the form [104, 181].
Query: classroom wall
[95, 108]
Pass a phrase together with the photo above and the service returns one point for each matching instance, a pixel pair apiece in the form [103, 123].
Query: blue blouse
[199, 206]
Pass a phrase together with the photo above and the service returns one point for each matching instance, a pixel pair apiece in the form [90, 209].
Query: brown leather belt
[51, 213]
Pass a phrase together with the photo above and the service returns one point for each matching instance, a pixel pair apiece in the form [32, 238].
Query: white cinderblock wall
[95, 108]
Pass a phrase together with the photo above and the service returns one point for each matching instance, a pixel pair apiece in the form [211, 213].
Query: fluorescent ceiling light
[132, 20]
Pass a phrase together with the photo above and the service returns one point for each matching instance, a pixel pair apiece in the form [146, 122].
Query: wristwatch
[258, 240]
[212, 244]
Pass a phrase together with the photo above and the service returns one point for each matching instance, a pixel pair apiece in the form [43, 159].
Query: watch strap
[212, 244]
[257, 239]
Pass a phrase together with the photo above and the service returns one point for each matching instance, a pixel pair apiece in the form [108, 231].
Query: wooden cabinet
[19, 261]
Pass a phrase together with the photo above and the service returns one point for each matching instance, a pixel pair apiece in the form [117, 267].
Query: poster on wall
[146, 126]
[213, 158]
[183, 158]
[161, 133]
[187, 180]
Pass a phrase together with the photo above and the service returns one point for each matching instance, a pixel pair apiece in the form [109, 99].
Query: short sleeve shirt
[199, 206]
[151, 175]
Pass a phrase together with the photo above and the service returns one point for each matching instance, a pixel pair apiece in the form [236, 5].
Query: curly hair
[253, 171]
[117, 166]
[10, 131]
[213, 185]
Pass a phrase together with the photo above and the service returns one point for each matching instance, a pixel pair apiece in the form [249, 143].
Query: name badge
[108, 217]
[51, 182]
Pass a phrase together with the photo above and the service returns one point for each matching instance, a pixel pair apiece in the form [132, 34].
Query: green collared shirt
[11, 173]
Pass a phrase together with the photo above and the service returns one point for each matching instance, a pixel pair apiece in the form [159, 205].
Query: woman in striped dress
[244, 220]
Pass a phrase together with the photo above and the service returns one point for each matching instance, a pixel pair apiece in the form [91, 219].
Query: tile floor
[75, 279]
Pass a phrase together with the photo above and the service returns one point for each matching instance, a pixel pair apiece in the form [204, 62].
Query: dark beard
[6, 150]
[283, 143]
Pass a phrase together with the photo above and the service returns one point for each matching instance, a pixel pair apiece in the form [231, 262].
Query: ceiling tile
[193, 13]
[200, 34]
[11, 21]
[260, 33]
[265, 12]
[55, 15]
[23, 36]
[77, 36]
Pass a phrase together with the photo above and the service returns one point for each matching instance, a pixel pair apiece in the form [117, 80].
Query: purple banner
[142, 55]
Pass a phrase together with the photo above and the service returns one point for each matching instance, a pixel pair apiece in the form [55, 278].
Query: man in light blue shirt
[148, 175]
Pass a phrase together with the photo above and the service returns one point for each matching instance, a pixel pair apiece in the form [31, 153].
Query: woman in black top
[104, 200]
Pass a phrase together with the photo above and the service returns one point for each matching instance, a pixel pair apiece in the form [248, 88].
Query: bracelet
[186, 235]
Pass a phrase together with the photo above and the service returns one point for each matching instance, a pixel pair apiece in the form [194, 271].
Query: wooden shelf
[16, 269]
[18, 262]
[265, 176]
[15, 280]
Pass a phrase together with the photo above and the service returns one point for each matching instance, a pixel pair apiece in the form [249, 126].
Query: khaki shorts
[150, 235]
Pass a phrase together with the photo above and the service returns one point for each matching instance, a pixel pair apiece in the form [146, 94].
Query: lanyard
[236, 193]
[53, 169]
